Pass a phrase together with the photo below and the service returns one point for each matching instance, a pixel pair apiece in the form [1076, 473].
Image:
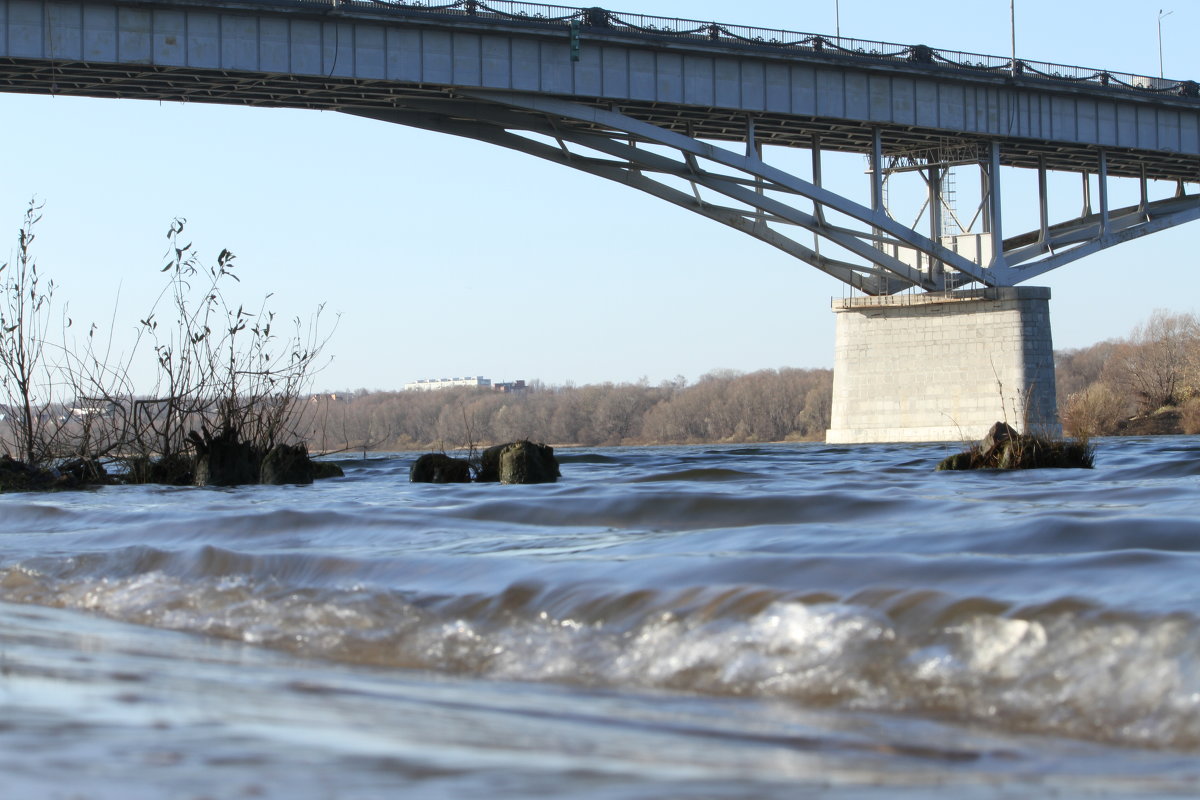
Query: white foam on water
[1095, 677]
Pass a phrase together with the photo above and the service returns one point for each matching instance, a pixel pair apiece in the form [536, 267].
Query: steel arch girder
[620, 173]
[485, 121]
[740, 191]
[491, 116]
[876, 219]
[1187, 212]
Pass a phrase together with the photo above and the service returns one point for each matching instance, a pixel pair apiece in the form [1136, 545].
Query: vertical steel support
[985, 196]
[935, 203]
[818, 209]
[1103, 177]
[1043, 202]
[1087, 195]
[1145, 192]
[877, 170]
[936, 268]
[754, 151]
[994, 206]
[876, 166]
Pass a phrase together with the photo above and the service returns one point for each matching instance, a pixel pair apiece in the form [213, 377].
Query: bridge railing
[593, 19]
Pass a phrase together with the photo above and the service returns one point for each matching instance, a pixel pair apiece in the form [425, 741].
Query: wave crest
[1063, 668]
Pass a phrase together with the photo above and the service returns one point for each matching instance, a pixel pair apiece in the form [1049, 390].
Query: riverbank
[1164, 422]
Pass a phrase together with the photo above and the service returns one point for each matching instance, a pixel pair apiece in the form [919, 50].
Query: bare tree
[32, 424]
[1158, 364]
[1094, 411]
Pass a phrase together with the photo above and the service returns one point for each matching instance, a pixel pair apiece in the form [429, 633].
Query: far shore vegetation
[723, 406]
[1147, 383]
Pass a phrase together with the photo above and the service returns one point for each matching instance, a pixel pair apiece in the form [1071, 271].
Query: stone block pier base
[943, 367]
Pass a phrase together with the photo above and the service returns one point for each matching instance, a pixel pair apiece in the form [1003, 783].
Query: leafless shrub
[219, 367]
[1190, 417]
[1094, 411]
[33, 423]
[1158, 364]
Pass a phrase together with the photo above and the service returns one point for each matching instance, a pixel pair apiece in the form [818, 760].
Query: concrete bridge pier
[943, 366]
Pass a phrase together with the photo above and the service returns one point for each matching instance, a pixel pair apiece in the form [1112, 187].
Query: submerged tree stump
[17, 476]
[287, 463]
[326, 469]
[176, 469]
[76, 473]
[1005, 448]
[519, 462]
[224, 459]
[439, 468]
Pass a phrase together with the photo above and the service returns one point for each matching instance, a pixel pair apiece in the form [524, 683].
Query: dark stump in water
[176, 469]
[519, 462]
[76, 473]
[17, 476]
[287, 463]
[326, 469]
[224, 459]
[439, 468]
[1005, 448]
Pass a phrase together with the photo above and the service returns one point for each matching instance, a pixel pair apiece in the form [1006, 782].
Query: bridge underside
[331, 93]
[862, 245]
[668, 151]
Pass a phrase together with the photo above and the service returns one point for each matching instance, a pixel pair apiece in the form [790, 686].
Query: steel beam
[757, 191]
[775, 179]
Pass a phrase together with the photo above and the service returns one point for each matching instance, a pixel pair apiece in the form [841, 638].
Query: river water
[711, 622]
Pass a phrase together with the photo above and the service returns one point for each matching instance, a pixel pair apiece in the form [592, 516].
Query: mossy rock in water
[224, 459]
[519, 462]
[526, 462]
[286, 463]
[17, 476]
[958, 461]
[326, 469]
[78, 473]
[489, 463]
[1004, 448]
[439, 468]
[176, 469]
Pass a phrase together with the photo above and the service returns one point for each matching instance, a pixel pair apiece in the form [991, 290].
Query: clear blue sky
[449, 257]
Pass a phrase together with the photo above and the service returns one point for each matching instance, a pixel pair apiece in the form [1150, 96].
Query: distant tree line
[1126, 385]
[1102, 390]
[723, 406]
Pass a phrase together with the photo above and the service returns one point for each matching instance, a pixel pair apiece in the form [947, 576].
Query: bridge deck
[707, 82]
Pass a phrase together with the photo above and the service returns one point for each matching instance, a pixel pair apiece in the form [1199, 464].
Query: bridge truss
[862, 245]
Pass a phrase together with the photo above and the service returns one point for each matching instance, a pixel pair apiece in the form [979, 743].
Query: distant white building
[429, 384]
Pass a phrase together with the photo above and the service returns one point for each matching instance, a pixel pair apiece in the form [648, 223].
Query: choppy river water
[778, 621]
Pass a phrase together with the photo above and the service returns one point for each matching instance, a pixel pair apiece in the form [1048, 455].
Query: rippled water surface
[776, 621]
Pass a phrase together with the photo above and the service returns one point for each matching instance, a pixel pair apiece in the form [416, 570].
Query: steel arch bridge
[655, 103]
